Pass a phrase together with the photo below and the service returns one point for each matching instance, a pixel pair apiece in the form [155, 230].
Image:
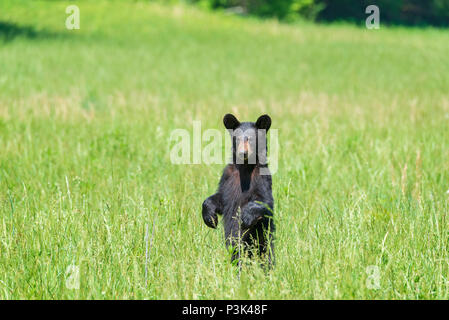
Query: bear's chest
[237, 191]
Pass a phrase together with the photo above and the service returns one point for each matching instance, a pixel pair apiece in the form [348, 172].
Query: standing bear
[244, 195]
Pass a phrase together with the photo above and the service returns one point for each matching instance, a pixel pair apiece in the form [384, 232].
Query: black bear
[244, 195]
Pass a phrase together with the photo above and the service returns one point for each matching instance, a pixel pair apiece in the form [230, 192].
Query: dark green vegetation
[410, 12]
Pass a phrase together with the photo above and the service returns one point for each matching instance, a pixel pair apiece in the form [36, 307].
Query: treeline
[408, 12]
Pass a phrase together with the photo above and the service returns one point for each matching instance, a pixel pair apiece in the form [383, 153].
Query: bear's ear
[264, 122]
[230, 122]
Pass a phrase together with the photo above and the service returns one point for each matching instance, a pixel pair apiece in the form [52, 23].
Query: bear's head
[249, 140]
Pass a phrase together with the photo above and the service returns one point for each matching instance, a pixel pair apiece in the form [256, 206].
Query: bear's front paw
[211, 220]
[249, 217]
[209, 216]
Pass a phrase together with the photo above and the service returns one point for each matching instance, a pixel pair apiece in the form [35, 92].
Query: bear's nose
[243, 150]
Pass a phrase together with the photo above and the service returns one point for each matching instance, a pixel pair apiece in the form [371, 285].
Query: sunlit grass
[85, 121]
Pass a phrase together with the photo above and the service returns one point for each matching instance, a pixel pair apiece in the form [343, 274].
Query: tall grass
[85, 172]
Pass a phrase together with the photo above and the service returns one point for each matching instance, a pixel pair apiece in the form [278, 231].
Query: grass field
[85, 172]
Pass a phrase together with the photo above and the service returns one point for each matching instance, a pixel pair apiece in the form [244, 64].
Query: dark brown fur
[245, 200]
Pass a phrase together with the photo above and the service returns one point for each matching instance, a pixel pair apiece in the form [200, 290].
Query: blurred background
[408, 12]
